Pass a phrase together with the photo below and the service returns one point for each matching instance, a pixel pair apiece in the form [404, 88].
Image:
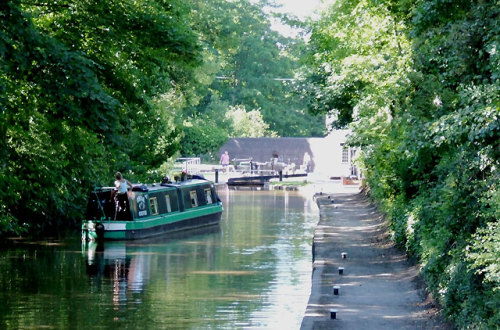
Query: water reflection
[251, 271]
[128, 264]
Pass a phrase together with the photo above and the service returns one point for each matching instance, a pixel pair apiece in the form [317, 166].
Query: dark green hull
[152, 226]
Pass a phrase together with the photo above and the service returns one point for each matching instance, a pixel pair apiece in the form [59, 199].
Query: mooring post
[336, 289]
[216, 176]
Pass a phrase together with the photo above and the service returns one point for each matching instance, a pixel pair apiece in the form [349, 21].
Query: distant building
[326, 156]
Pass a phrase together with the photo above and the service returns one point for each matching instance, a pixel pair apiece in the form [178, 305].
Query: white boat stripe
[114, 226]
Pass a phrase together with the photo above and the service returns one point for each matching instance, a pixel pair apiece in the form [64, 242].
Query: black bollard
[333, 314]
[336, 290]
[281, 176]
[216, 176]
[313, 251]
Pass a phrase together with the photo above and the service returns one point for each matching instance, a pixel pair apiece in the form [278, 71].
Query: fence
[190, 165]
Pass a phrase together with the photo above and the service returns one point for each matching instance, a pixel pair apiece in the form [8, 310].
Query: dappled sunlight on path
[379, 288]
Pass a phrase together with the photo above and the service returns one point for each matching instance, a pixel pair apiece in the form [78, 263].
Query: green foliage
[242, 64]
[90, 87]
[202, 137]
[357, 64]
[247, 124]
[418, 84]
[483, 256]
[484, 252]
[251, 60]
[78, 83]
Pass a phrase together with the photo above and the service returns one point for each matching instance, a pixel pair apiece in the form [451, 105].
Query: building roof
[289, 150]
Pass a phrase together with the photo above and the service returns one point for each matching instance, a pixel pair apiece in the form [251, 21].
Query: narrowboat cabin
[151, 210]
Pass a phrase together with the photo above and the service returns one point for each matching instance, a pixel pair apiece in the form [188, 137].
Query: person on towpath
[224, 160]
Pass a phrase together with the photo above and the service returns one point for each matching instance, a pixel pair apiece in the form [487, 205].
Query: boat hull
[154, 226]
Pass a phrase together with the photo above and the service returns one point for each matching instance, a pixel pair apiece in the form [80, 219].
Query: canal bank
[378, 287]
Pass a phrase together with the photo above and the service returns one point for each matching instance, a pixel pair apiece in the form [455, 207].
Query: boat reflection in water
[124, 268]
[252, 271]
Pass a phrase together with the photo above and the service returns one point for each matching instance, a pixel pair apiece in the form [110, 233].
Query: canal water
[251, 271]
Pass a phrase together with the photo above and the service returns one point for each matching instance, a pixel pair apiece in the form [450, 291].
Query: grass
[289, 183]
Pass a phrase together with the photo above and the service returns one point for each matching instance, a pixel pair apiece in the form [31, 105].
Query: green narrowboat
[151, 210]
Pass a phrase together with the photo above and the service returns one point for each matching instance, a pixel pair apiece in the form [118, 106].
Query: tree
[247, 123]
[418, 84]
[90, 87]
[251, 59]
[78, 84]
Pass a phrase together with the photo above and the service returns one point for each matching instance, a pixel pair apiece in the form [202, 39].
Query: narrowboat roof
[187, 182]
[161, 186]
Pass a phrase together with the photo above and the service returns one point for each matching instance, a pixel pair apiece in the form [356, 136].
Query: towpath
[379, 288]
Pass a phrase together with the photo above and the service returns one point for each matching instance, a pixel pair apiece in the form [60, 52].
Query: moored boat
[151, 210]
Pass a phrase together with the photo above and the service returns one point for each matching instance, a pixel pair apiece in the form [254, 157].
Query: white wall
[327, 154]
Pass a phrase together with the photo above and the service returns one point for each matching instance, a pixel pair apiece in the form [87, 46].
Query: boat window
[194, 198]
[153, 203]
[208, 196]
[167, 201]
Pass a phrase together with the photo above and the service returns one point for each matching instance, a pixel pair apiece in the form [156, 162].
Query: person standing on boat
[120, 192]
[122, 184]
[224, 160]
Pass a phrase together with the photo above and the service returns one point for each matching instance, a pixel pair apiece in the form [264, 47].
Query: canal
[251, 271]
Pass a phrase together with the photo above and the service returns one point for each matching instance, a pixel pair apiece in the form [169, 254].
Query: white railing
[190, 165]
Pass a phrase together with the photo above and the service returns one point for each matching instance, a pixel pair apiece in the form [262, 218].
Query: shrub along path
[379, 289]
